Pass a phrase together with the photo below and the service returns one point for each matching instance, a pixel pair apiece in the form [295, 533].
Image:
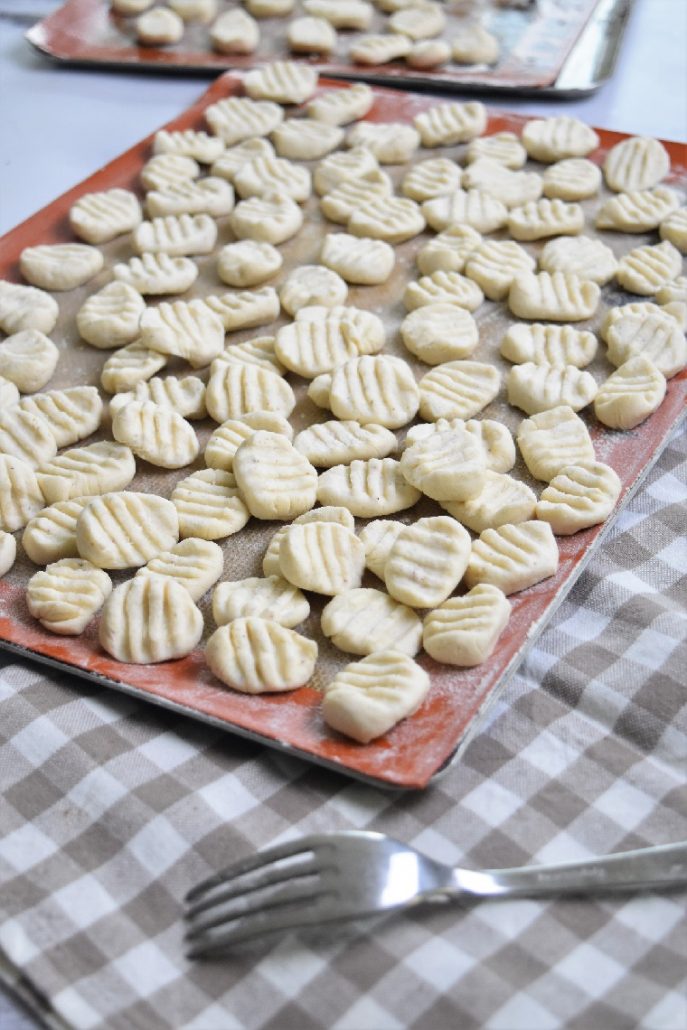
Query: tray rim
[474, 725]
[591, 66]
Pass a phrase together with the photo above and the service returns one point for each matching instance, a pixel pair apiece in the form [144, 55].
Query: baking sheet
[567, 47]
[417, 749]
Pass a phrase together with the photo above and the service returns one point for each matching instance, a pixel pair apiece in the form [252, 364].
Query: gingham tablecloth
[111, 809]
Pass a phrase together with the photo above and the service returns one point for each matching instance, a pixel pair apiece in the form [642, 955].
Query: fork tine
[257, 916]
[268, 876]
[288, 849]
[260, 922]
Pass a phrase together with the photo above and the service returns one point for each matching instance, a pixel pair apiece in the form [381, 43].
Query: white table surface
[60, 124]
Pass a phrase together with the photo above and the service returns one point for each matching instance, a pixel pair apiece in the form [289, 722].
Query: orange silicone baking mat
[418, 748]
[535, 39]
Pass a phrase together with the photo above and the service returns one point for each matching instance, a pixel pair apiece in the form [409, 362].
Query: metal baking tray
[562, 48]
[416, 751]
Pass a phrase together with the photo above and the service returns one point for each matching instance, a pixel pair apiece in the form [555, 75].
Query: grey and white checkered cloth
[111, 809]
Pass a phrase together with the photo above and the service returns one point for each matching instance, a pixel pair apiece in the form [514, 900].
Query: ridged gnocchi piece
[26, 435]
[211, 196]
[126, 529]
[493, 438]
[209, 505]
[645, 269]
[157, 274]
[339, 204]
[464, 630]
[640, 308]
[266, 175]
[639, 210]
[245, 309]
[549, 345]
[227, 438]
[394, 219]
[156, 434]
[449, 251]
[324, 557]
[511, 188]
[308, 285]
[176, 235]
[185, 396]
[443, 288]
[446, 124]
[436, 333]
[475, 45]
[378, 537]
[127, 367]
[234, 391]
[418, 22]
[533, 387]
[258, 656]
[71, 414]
[542, 218]
[329, 513]
[578, 497]
[369, 327]
[100, 217]
[285, 82]
[374, 389]
[271, 218]
[358, 259]
[271, 598]
[20, 494]
[325, 444]
[432, 178]
[110, 318]
[340, 106]
[8, 552]
[66, 595]
[28, 359]
[344, 166]
[311, 348]
[474, 208]
[24, 308]
[363, 621]
[556, 296]
[97, 468]
[164, 170]
[234, 32]
[368, 489]
[247, 263]
[581, 256]
[189, 143]
[150, 619]
[390, 142]
[674, 229]
[60, 266]
[657, 337]
[235, 119]
[504, 147]
[502, 499]
[557, 138]
[379, 49]
[427, 561]
[310, 36]
[513, 557]
[158, 26]
[186, 329]
[458, 389]
[553, 439]
[448, 465]
[493, 265]
[276, 481]
[367, 698]
[51, 533]
[633, 392]
[301, 140]
[638, 163]
[574, 178]
[194, 563]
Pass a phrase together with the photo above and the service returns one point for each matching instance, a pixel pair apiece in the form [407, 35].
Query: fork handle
[646, 869]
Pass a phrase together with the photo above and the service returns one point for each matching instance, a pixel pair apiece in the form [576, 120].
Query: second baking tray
[565, 48]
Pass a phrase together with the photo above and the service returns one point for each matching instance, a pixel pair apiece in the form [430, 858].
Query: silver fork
[334, 877]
